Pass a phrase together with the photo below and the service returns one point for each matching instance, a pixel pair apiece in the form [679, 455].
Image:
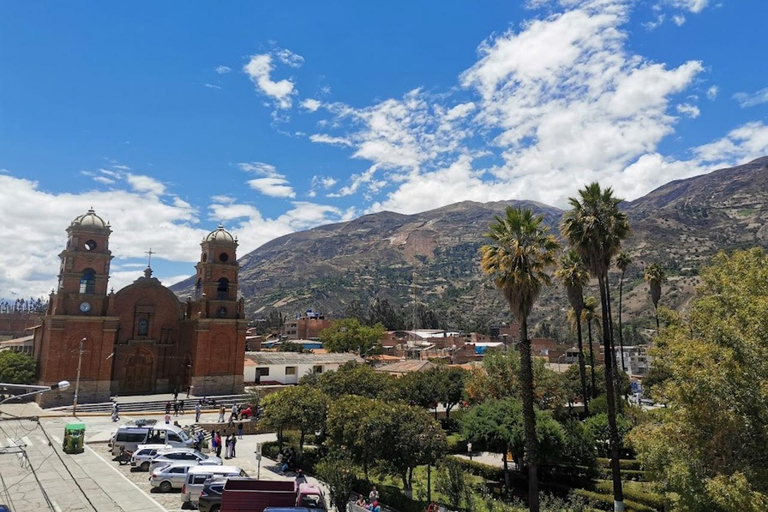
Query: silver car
[144, 454]
[171, 476]
[184, 454]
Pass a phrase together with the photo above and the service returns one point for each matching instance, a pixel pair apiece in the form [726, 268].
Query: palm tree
[590, 315]
[520, 251]
[655, 276]
[595, 227]
[574, 276]
[622, 262]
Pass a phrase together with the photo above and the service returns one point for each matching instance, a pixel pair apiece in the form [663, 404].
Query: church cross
[149, 259]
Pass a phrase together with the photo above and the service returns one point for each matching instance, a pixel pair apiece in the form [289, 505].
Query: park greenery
[567, 440]
[16, 368]
[349, 335]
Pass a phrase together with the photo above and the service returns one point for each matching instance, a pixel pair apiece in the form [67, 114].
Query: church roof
[89, 220]
[220, 235]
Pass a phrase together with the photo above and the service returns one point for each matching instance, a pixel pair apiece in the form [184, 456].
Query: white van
[197, 476]
[130, 437]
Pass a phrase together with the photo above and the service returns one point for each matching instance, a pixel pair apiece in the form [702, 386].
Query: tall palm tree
[655, 276]
[517, 258]
[622, 262]
[591, 316]
[574, 275]
[595, 227]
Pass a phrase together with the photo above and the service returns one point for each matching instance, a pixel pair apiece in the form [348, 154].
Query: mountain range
[431, 258]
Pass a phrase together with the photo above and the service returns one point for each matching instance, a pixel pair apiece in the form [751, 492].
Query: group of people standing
[230, 443]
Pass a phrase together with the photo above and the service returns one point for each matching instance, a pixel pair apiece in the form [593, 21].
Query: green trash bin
[74, 437]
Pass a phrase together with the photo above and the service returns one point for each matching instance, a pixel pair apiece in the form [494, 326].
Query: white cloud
[272, 184]
[751, 99]
[289, 58]
[273, 187]
[145, 184]
[694, 6]
[213, 86]
[259, 69]
[678, 19]
[712, 92]
[460, 111]
[104, 180]
[311, 104]
[689, 110]
[222, 70]
[327, 139]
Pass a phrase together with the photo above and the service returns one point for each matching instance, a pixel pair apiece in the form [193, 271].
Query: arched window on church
[222, 291]
[198, 288]
[88, 281]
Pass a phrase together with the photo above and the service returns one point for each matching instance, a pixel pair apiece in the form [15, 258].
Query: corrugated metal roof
[289, 358]
[413, 365]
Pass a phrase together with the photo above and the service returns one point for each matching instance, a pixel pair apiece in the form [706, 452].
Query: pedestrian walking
[221, 415]
[188, 388]
[198, 410]
[168, 407]
[240, 430]
[175, 394]
[115, 412]
[233, 415]
[218, 444]
[175, 408]
[181, 406]
[234, 443]
[213, 441]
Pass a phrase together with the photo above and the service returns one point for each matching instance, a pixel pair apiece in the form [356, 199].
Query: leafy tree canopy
[352, 379]
[16, 368]
[708, 447]
[349, 335]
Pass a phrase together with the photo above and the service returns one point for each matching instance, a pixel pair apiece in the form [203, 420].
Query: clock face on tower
[222, 312]
[85, 307]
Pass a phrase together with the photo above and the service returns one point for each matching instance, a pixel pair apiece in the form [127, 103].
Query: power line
[7, 492]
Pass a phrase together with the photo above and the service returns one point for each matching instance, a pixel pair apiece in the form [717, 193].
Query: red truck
[251, 495]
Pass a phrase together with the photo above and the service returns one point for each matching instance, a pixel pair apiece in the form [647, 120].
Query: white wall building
[289, 367]
[637, 362]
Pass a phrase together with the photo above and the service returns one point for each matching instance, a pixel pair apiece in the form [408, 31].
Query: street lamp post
[504, 336]
[35, 389]
[77, 381]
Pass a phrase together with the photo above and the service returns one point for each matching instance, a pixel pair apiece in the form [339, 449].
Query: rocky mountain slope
[432, 257]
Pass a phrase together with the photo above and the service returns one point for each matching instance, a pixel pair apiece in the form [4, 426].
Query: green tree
[349, 335]
[655, 277]
[351, 379]
[708, 446]
[300, 407]
[574, 275]
[351, 427]
[589, 315]
[336, 471]
[452, 483]
[520, 252]
[623, 261]
[17, 368]
[595, 228]
[452, 382]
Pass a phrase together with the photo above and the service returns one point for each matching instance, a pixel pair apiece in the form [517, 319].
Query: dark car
[210, 497]
[289, 509]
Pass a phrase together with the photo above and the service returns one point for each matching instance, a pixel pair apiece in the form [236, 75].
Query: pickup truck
[251, 495]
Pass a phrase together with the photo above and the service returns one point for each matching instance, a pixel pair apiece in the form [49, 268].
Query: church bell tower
[216, 278]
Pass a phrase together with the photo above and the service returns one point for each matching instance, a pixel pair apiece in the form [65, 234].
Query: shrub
[648, 499]
[605, 501]
[485, 471]
[457, 444]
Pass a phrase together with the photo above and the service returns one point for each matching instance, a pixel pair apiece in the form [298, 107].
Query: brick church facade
[141, 339]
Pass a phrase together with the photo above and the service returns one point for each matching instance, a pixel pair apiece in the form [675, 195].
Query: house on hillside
[289, 367]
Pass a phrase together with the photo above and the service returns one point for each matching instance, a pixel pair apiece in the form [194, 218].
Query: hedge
[649, 499]
[485, 471]
[630, 464]
[605, 501]
[456, 444]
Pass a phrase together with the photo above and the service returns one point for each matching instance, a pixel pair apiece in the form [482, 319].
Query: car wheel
[145, 466]
[165, 487]
[215, 508]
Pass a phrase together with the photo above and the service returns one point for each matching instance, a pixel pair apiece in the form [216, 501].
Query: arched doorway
[138, 378]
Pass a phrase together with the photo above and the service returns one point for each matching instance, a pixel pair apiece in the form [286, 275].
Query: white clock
[85, 307]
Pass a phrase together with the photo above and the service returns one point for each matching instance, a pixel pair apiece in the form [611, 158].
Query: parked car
[199, 475]
[129, 437]
[184, 454]
[144, 454]
[171, 476]
[210, 496]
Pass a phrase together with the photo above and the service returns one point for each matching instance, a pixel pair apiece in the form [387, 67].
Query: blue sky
[170, 117]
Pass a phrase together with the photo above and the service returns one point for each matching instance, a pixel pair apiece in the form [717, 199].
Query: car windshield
[202, 456]
[183, 435]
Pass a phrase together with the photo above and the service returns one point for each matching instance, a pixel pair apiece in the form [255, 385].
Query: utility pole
[77, 381]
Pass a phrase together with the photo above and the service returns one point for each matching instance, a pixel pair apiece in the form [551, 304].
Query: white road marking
[56, 506]
[127, 479]
[56, 439]
[26, 441]
[10, 442]
[42, 440]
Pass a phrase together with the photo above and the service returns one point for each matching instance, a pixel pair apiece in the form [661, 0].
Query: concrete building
[23, 345]
[289, 367]
[305, 326]
[402, 367]
[637, 362]
[141, 339]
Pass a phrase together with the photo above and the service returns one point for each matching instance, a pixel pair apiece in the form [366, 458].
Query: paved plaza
[46, 478]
